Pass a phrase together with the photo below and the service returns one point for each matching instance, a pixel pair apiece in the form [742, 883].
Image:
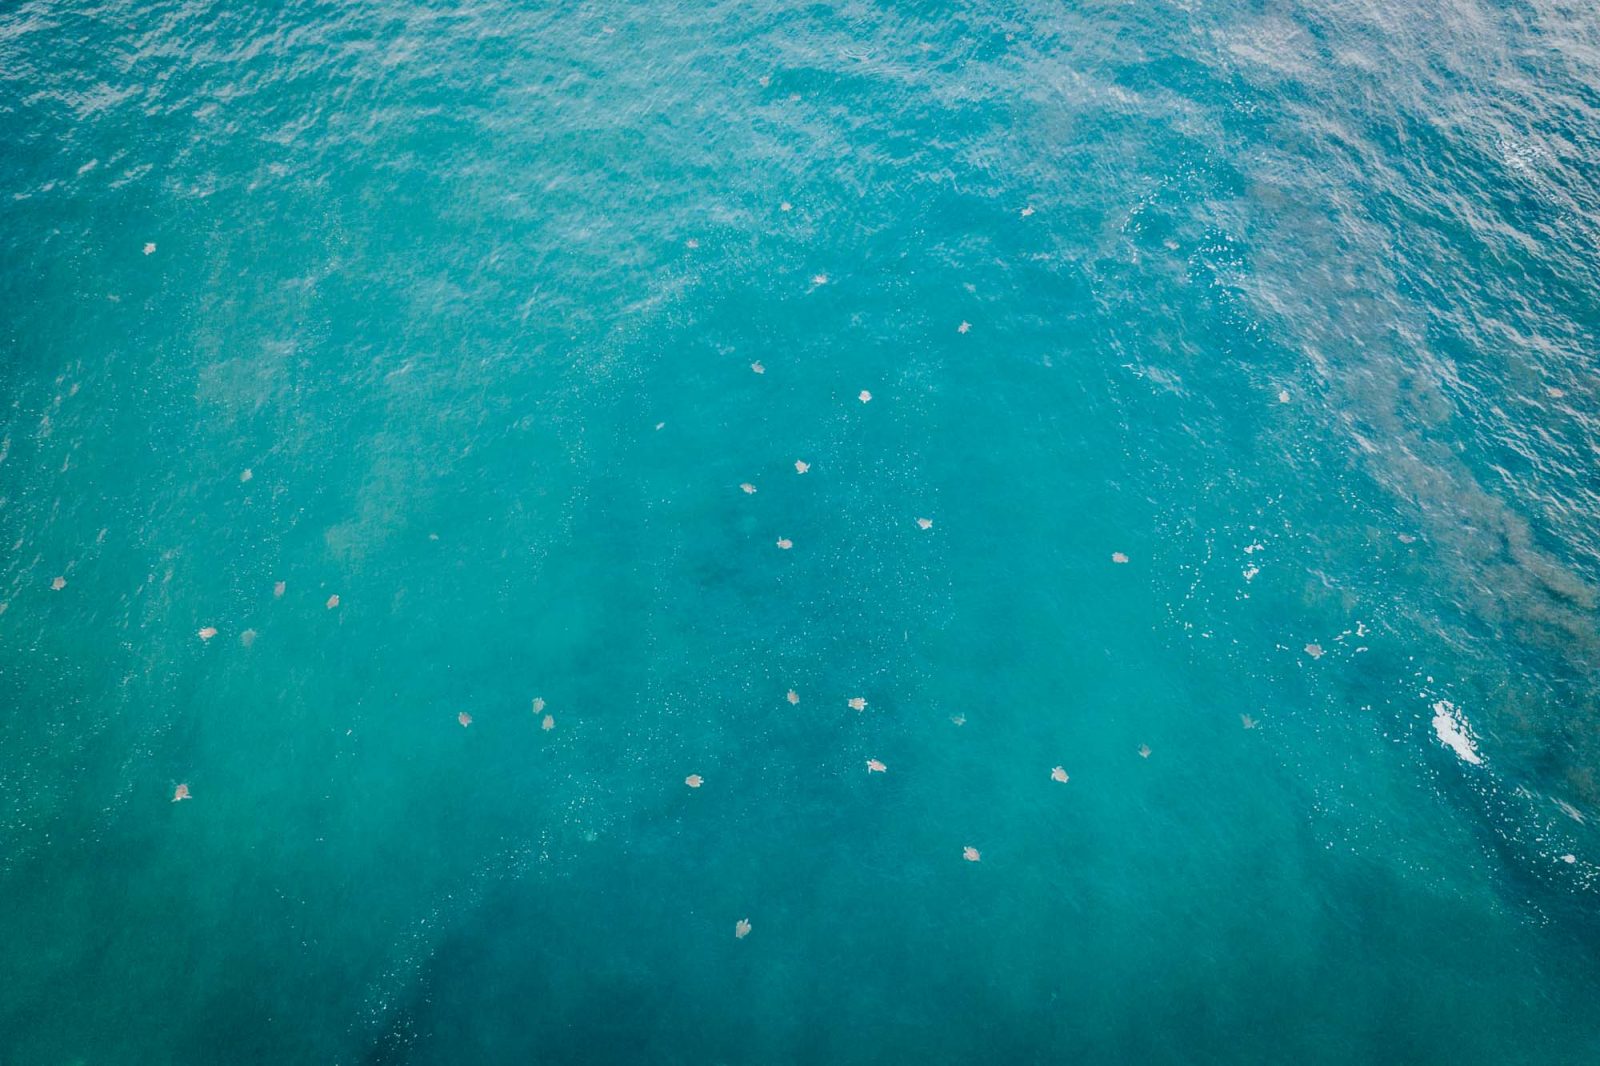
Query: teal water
[1292, 305]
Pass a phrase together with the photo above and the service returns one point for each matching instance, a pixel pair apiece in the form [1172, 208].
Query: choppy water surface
[451, 311]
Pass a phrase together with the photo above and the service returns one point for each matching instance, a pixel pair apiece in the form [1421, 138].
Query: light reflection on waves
[1440, 305]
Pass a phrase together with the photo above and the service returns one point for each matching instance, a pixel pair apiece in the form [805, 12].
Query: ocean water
[450, 310]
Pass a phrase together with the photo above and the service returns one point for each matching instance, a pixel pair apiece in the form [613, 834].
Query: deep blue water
[451, 311]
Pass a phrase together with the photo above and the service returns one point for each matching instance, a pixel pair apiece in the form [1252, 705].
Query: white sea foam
[1452, 730]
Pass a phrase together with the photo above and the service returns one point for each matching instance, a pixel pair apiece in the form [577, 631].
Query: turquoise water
[1293, 306]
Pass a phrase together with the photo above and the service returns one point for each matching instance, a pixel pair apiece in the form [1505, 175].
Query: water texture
[1241, 358]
